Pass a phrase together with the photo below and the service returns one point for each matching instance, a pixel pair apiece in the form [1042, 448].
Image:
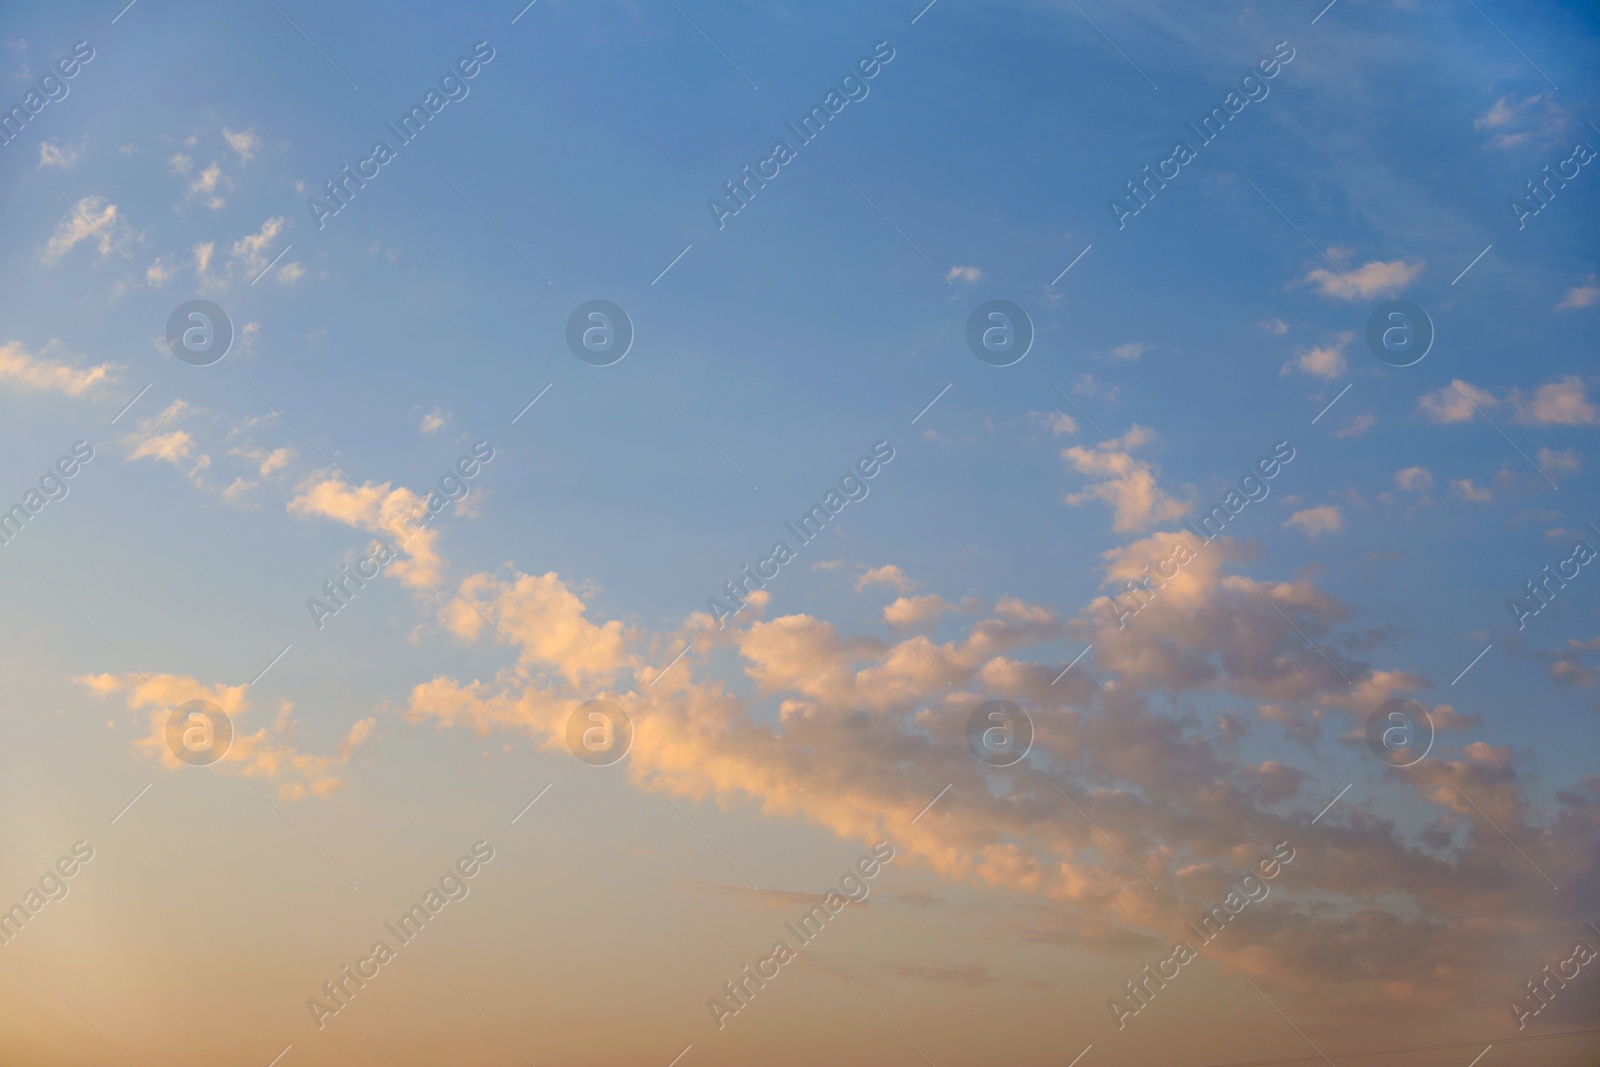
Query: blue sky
[1221, 320]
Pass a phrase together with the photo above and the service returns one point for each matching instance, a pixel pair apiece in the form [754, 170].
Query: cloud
[1057, 422]
[917, 611]
[434, 421]
[249, 253]
[543, 618]
[290, 272]
[1130, 351]
[1127, 485]
[1414, 480]
[267, 463]
[1551, 460]
[180, 164]
[26, 372]
[1313, 522]
[966, 274]
[1580, 296]
[244, 143]
[1377, 278]
[890, 575]
[92, 218]
[1463, 488]
[1326, 362]
[1277, 327]
[52, 155]
[160, 438]
[1454, 402]
[1558, 403]
[1514, 122]
[1356, 426]
[268, 753]
[394, 514]
[204, 187]
[1563, 402]
[202, 256]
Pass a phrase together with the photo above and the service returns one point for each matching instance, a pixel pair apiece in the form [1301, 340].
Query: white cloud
[1326, 361]
[51, 155]
[1551, 460]
[1126, 484]
[434, 421]
[1313, 522]
[890, 575]
[204, 187]
[1558, 403]
[1453, 402]
[1414, 479]
[180, 164]
[290, 272]
[93, 218]
[244, 143]
[202, 256]
[27, 372]
[1356, 426]
[965, 274]
[1580, 296]
[1463, 488]
[249, 254]
[1276, 327]
[1377, 278]
[1514, 122]
[1131, 350]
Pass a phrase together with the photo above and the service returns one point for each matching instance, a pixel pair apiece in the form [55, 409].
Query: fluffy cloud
[380, 509]
[1558, 403]
[204, 187]
[1515, 122]
[1580, 296]
[1552, 460]
[1414, 479]
[917, 611]
[1377, 278]
[1326, 362]
[1563, 402]
[244, 143]
[93, 217]
[27, 372]
[868, 733]
[890, 575]
[965, 274]
[1463, 488]
[1454, 402]
[1127, 485]
[162, 438]
[53, 155]
[249, 253]
[1314, 522]
[268, 752]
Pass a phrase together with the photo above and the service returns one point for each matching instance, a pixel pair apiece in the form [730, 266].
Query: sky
[1401, 547]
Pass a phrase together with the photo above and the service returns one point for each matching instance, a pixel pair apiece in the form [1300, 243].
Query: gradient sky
[421, 319]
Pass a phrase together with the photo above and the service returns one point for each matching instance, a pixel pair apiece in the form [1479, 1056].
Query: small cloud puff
[1314, 522]
[1377, 278]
